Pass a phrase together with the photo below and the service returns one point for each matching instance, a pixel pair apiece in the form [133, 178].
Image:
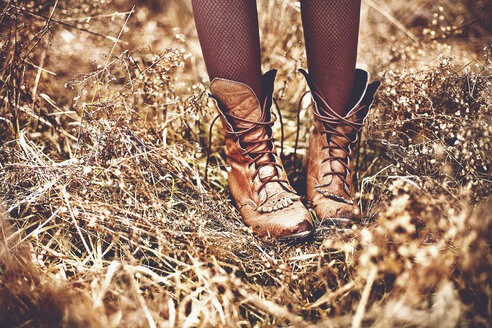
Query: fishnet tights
[229, 38]
[228, 34]
[331, 30]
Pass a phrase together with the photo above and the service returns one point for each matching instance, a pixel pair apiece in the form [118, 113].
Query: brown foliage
[111, 224]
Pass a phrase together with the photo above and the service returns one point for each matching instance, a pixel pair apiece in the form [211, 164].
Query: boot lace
[331, 120]
[256, 152]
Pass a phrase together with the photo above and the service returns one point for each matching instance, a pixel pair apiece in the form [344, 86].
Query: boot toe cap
[302, 230]
[337, 213]
[293, 222]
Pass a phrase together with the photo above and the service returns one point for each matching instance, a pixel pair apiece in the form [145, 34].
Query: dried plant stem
[66, 24]
[38, 77]
[111, 53]
[361, 308]
[275, 310]
[392, 19]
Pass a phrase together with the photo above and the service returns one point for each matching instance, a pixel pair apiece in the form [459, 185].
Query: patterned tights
[228, 34]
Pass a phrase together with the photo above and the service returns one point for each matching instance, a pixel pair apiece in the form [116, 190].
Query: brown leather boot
[257, 179]
[333, 143]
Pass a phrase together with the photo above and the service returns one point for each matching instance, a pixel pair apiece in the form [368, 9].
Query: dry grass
[108, 221]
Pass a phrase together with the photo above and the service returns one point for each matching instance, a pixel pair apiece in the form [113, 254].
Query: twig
[40, 68]
[29, 112]
[38, 77]
[42, 32]
[71, 19]
[68, 25]
[111, 52]
[38, 228]
[361, 308]
[274, 309]
[72, 215]
[333, 295]
[392, 19]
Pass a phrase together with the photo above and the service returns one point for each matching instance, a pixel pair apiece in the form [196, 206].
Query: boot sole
[297, 236]
[338, 222]
[334, 222]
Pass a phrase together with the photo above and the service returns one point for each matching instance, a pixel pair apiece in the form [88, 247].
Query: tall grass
[108, 221]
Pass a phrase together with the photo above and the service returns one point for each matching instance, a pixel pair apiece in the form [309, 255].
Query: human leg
[228, 33]
[331, 29]
[342, 97]
[229, 38]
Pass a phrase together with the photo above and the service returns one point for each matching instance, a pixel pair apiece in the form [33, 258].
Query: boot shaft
[246, 119]
[333, 144]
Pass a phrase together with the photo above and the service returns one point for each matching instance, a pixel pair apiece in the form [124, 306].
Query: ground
[108, 220]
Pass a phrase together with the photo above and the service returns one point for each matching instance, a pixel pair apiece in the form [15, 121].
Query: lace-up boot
[333, 143]
[257, 179]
